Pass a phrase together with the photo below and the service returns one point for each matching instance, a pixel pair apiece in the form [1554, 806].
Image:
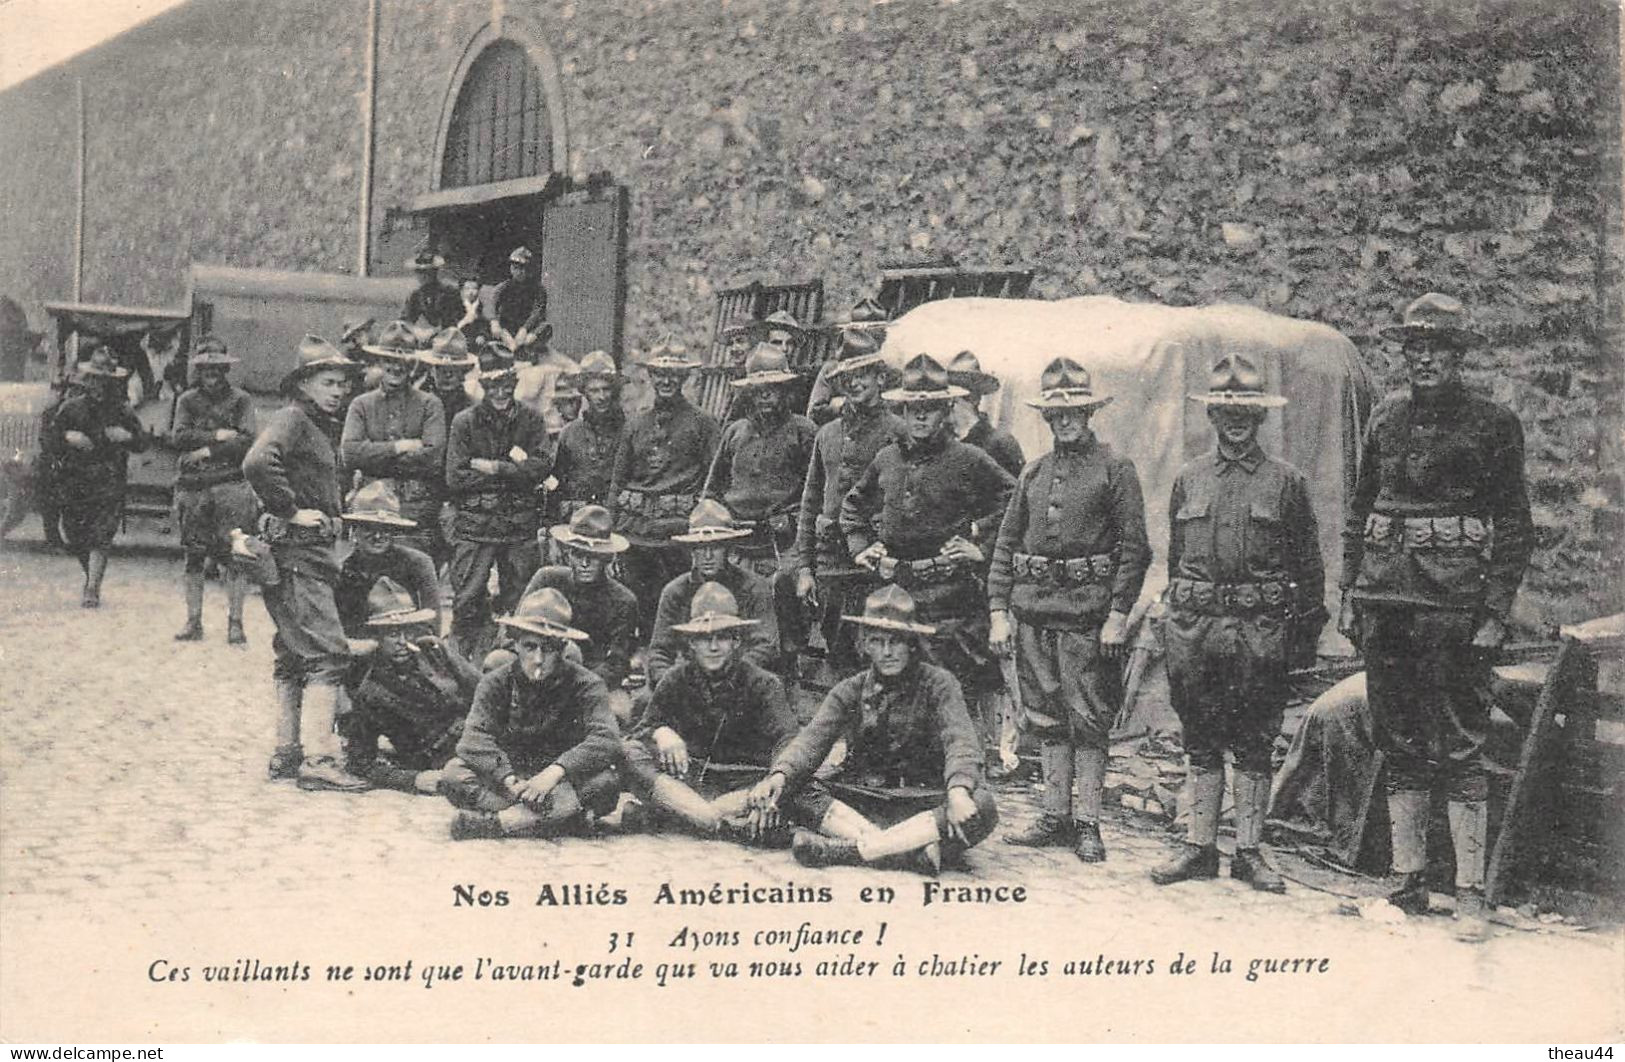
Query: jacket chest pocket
[1264, 535]
[1194, 518]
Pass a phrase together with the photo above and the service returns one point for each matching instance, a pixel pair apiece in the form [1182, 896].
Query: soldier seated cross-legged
[713, 724]
[909, 792]
[540, 748]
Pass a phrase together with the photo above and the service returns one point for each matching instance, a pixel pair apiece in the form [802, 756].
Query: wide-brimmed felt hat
[596, 364]
[866, 315]
[709, 523]
[858, 350]
[1064, 384]
[546, 612]
[965, 370]
[496, 364]
[782, 321]
[521, 256]
[590, 531]
[712, 609]
[765, 366]
[389, 605]
[356, 331]
[425, 259]
[1435, 316]
[398, 341]
[375, 503]
[211, 350]
[449, 350]
[924, 380]
[102, 363]
[890, 608]
[315, 354]
[1236, 380]
[563, 390]
[669, 357]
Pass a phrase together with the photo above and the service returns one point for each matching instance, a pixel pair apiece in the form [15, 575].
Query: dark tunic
[379, 419]
[409, 568]
[606, 610]
[440, 303]
[518, 305]
[660, 466]
[741, 716]
[923, 495]
[419, 705]
[294, 463]
[198, 415]
[586, 461]
[758, 473]
[842, 449]
[760, 644]
[999, 444]
[96, 476]
[518, 727]
[500, 506]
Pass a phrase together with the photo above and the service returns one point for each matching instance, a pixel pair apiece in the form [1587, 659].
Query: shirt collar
[1248, 461]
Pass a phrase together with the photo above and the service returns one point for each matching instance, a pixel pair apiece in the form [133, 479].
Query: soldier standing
[214, 427]
[439, 304]
[826, 578]
[1437, 540]
[90, 438]
[660, 466]
[1245, 591]
[971, 423]
[293, 468]
[919, 514]
[1068, 566]
[758, 474]
[586, 455]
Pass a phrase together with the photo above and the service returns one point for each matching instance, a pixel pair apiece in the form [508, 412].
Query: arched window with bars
[499, 127]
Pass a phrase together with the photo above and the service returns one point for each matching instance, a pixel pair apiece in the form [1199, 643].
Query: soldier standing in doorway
[439, 304]
[521, 300]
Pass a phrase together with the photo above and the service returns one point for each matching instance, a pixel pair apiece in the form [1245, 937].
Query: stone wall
[1324, 160]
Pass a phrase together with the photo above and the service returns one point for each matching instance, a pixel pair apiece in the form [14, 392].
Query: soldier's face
[539, 657]
[781, 339]
[600, 395]
[517, 271]
[862, 385]
[709, 560]
[924, 418]
[395, 373]
[212, 378]
[499, 393]
[770, 401]
[1237, 426]
[586, 568]
[395, 646]
[569, 408]
[448, 377]
[371, 540]
[711, 651]
[888, 651]
[1432, 364]
[326, 389]
[1068, 425]
[666, 384]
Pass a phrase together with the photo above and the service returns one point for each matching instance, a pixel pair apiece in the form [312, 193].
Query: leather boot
[1089, 848]
[1252, 792]
[1408, 829]
[193, 631]
[285, 762]
[1053, 829]
[323, 768]
[1047, 831]
[1196, 862]
[1412, 894]
[95, 568]
[475, 825]
[236, 589]
[1248, 865]
[1200, 856]
[816, 850]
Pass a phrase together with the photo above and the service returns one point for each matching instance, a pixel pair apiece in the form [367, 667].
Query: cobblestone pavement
[132, 782]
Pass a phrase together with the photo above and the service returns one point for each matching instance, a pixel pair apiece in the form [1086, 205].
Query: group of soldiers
[905, 537]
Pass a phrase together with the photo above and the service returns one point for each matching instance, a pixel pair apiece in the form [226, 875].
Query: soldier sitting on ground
[540, 747]
[713, 724]
[909, 791]
[409, 686]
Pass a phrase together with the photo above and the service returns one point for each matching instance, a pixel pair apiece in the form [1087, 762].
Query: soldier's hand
[960, 811]
[427, 782]
[192, 457]
[1114, 635]
[307, 518]
[761, 820]
[870, 556]
[225, 434]
[1001, 637]
[117, 434]
[962, 550]
[484, 465]
[1348, 621]
[765, 794]
[1491, 634]
[534, 790]
[408, 446]
[806, 586]
[77, 439]
[672, 751]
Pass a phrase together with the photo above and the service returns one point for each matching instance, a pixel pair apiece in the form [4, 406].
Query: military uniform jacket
[518, 305]
[1080, 503]
[842, 449]
[501, 506]
[100, 473]
[294, 463]
[440, 303]
[909, 732]
[198, 415]
[1244, 522]
[606, 610]
[923, 495]
[586, 459]
[378, 420]
[1000, 445]
[759, 644]
[741, 716]
[519, 727]
[1440, 514]
[429, 694]
[662, 458]
[760, 469]
[408, 567]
